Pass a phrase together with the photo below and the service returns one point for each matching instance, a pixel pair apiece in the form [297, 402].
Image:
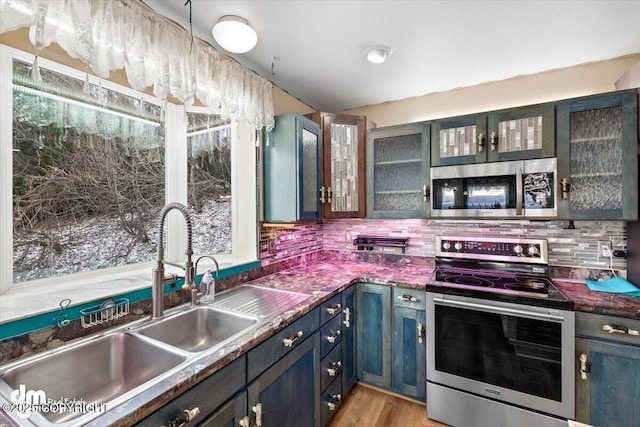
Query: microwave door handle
[519, 194]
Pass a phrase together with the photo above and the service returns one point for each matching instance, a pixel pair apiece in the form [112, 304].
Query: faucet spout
[158, 277]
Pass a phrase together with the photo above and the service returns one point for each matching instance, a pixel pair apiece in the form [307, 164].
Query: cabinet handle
[333, 337]
[420, 328]
[585, 366]
[333, 310]
[480, 142]
[258, 411]
[183, 418]
[288, 342]
[347, 317]
[245, 422]
[620, 329]
[334, 401]
[322, 200]
[407, 298]
[565, 188]
[335, 367]
[494, 141]
[519, 193]
[329, 195]
[425, 193]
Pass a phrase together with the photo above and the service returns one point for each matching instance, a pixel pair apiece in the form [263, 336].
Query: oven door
[512, 353]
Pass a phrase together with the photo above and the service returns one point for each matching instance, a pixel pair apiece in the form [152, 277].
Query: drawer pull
[619, 329]
[288, 342]
[333, 337]
[333, 370]
[334, 401]
[347, 317]
[333, 310]
[183, 418]
[245, 422]
[407, 298]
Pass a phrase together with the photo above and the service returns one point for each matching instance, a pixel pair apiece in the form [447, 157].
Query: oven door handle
[499, 310]
[519, 193]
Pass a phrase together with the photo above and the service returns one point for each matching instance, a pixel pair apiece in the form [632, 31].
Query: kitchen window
[88, 164]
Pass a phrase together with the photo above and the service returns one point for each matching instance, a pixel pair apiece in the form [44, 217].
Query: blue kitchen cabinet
[288, 393]
[608, 391]
[230, 414]
[409, 345]
[349, 371]
[374, 334]
[398, 165]
[597, 151]
[293, 170]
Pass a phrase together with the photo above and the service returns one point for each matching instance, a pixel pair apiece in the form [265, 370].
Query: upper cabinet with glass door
[510, 134]
[344, 139]
[293, 170]
[598, 156]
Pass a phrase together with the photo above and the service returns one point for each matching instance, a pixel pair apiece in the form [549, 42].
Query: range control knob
[457, 246]
[533, 250]
[517, 249]
[446, 246]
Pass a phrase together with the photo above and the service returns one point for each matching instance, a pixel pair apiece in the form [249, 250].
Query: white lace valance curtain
[114, 34]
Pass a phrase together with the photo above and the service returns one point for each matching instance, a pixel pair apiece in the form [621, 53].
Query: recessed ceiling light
[234, 34]
[377, 54]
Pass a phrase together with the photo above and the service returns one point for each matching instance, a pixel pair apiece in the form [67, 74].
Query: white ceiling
[437, 45]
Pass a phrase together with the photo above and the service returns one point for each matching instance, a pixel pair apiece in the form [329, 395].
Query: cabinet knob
[425, 193]
[494, 141]
[322, 191]
[334, 401]
[288, 342]
[333, 310]
[257, 409]
[481, 142]
[565, 187]
[585, 366]
[420, 328]
[183, 418]
[335, 367]
[333, 337]
[245, 422]
[329, 195]
[407, 298]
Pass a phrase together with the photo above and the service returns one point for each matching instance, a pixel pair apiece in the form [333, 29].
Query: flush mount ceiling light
[234, 34]
[377, 54]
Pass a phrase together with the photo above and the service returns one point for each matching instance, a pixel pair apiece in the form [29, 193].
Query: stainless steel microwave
[524, 189]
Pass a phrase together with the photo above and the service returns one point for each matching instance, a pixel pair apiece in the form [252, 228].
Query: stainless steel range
[501, 337]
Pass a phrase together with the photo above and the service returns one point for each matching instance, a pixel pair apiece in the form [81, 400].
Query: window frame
[244, 208]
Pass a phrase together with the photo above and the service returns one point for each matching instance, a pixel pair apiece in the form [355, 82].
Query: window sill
[24, 303]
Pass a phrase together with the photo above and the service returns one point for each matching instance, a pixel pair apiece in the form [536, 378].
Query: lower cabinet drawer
[331, 367]
[270, 351]
[330, 335]
[331, 400]
[207, 396]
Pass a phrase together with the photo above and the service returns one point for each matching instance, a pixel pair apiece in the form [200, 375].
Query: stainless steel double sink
[113, 367]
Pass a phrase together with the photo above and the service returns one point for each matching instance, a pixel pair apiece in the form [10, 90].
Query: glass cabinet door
[398, 172]
[598, 157]
[310, 171]
[459, 140]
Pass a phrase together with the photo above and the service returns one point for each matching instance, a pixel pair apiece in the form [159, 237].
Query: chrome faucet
[158, 277]
[195, 295]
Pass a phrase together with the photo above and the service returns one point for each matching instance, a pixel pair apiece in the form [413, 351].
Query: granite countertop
[589, 301]
[320, 280]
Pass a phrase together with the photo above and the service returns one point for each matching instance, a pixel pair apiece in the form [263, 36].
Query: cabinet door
[609, 396]
[349, 373]
[597, 145]
[374, 334]
[398, 172]
[344, 139]
[230, 414]
[293, 170]
[288, 393]
[409, 352]
[521, 133]
[459, 140]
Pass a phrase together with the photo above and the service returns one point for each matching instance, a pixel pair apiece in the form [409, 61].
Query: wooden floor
[366, 406]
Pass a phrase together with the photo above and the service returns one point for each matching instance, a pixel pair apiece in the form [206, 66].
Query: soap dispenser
[208, 286]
